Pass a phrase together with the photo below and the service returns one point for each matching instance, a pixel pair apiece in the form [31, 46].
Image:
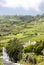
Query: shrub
[29, 48]
[14, 49]
[38, 47]
[30, 58]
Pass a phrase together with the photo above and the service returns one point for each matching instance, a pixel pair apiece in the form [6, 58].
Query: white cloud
[26, 4]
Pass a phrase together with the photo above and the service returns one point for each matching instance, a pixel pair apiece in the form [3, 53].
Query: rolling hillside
[24, 28]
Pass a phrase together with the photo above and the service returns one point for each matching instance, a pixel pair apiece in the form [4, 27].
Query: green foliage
[38, 58]
[15, 49]
[30, 58]
[1, 63]
[42, 63]
[29, 48]
[25, 28]
[39, 46]
[1, 46]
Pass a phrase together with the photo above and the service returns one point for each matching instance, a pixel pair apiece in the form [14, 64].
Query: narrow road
[5, 62]
[5, 59]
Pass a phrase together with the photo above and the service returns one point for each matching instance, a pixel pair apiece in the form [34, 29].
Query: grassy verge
[42, 63]
[1, 63]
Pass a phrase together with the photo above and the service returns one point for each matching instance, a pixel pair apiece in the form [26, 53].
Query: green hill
[24, 28]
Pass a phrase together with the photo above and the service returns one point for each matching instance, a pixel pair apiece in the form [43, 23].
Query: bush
[38, 47]
[1, 46]
[14, 49]
[29, 48]
[30, 58]
[38, 58]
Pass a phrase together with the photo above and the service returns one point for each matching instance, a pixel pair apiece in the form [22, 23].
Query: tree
[14, 49]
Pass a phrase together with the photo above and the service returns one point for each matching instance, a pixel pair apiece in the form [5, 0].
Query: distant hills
[10, 23]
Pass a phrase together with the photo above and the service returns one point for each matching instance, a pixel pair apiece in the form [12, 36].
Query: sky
[21, 7]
